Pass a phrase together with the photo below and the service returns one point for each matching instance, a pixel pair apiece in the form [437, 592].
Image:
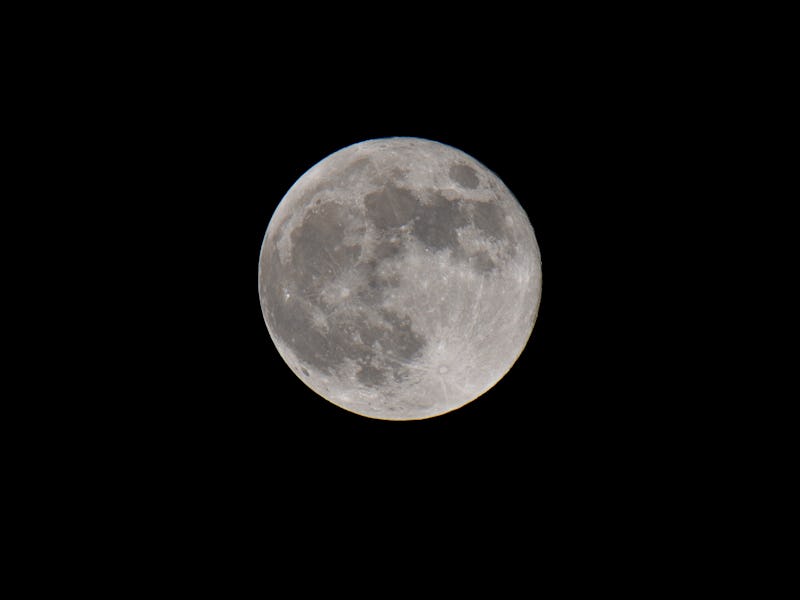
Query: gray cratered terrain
[399, 278]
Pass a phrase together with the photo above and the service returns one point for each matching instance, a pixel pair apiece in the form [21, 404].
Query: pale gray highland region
[399, 278]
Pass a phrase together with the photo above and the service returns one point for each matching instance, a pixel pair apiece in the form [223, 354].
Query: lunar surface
[399, 278]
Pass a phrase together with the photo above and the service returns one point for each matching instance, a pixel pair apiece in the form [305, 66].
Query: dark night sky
[218, 141]
[189, 427]
[560, 154]
[236, 142]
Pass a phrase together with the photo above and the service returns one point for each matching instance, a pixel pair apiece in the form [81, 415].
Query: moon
[399, 278]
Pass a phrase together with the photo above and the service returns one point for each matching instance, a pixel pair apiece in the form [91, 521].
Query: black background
[219, 137]
[174, 137]
[567, 141]
[199, 136]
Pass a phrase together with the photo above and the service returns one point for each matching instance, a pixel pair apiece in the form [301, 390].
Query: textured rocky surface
[399, 278]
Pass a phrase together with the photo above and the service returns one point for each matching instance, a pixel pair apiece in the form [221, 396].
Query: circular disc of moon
[399, 278]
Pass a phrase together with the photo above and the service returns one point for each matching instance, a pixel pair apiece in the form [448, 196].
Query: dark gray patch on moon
[363, 336]
[317, 249]
[464, 176]
[482, 262]
[294, 324]
[359, 329]
[373, 283]
[373, 342]
[403, 342]
[489, 218]
[379, 341]
[370, 375]
[372, 290]
[390, 207]
[388, 248]
[436, 222]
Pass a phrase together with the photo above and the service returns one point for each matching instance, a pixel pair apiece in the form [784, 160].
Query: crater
[464, 176]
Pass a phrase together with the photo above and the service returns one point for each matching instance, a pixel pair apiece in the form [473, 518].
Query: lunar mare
[399, 278]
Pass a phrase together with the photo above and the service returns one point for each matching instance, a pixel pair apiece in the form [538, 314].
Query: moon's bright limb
[399, 278]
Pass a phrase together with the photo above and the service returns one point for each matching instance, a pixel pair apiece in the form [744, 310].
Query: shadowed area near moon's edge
[328, 302]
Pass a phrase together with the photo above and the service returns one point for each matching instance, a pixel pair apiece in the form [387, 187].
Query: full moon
[399, 278]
